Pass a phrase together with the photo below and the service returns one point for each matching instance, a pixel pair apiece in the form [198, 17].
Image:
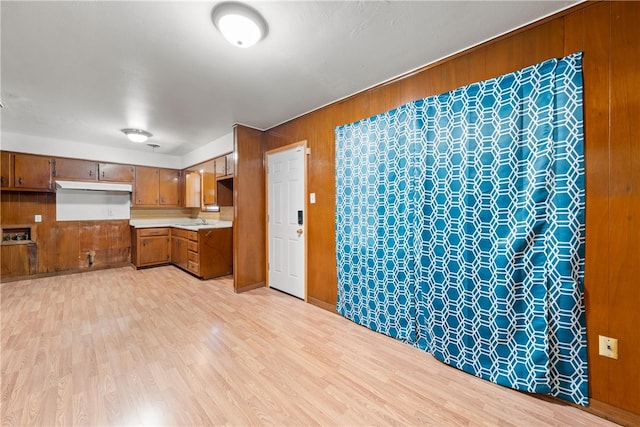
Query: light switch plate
[312, 197]
[608, 347]
[37, 218]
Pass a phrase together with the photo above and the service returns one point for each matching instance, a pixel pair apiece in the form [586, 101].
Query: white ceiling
[83, 70]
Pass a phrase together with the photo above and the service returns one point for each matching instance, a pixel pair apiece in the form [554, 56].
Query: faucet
[204, 221]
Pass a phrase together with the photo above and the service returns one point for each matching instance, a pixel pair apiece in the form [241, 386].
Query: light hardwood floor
[159, 347]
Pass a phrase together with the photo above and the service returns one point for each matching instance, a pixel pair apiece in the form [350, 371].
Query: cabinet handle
[103, 174]
[20, 180]
[90, 172]
[2, 180]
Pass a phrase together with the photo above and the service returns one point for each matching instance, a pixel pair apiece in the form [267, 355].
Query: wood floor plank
[159, 347]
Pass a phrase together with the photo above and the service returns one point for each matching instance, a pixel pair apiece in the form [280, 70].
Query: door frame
[302, 144]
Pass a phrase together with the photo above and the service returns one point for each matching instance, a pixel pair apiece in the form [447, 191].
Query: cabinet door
[6, 170]
[208, 189]
[32, 172]
[179, 252]
[169, 187]
[115, 172]
[154, 250]
[192, 189]
[84, 170]
[220, 165]
[18, 260]
[230, 164]
[146, 186]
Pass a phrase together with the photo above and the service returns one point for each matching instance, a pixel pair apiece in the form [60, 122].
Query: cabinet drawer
[194, 257]
[145, 232]
[193, 267]
[193, 236]
[179, 232]
[193, 246]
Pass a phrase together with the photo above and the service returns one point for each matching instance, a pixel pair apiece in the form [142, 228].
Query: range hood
[93, 186]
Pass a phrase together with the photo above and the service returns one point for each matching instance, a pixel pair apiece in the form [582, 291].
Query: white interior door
[286, 197]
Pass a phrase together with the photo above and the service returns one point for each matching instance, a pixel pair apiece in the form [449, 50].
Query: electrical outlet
[37, 218]
[608, 347]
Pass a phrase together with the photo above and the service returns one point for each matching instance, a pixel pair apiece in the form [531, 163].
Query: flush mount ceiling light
[240, 24]
[136, 135]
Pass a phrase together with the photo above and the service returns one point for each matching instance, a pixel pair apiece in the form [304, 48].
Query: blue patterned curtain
[460, 227]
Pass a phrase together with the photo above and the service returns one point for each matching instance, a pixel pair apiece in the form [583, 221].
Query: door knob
[299, 231]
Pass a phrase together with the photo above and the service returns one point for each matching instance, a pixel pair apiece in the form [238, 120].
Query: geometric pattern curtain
[460, 227]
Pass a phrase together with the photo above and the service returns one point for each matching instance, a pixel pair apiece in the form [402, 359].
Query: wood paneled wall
[249, 227]
[608, 33]
[64, 246]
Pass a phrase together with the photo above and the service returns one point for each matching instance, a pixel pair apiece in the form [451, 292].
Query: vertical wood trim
[624, 205]
[588, 30]
[248, 210]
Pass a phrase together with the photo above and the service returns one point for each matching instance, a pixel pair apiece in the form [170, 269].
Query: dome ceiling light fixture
[137, 135]
[240, 24]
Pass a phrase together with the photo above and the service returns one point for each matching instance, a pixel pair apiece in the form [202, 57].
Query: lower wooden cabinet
[150, 246]
[214, 255]
[179, 248]
[18, 259]
[205, 253]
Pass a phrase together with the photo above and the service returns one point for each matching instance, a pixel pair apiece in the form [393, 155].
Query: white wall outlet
[312, 197]
[37, 218]
[608, 347]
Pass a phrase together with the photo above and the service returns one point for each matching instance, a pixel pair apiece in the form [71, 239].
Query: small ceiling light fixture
[136, 135]
[240, 24]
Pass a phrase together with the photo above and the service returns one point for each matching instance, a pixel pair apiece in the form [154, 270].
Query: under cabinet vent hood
[93, 186]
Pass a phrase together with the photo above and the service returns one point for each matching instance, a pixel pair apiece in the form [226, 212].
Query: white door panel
[285, 182]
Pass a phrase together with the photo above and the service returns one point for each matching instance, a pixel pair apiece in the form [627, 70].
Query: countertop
[184, 223]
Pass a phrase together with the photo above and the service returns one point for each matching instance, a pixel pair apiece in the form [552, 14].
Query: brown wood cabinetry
[18, 259]
[220, 165]
[205, 253]
[230, 163]
[150, 246]
[179, 247]
[224, 191]
[32, 172]
[6, 169]
[209, 189]
[169, 187]
[156, 187]
[146, 187]
[193, 253]
[115, 172]
[192, 188]
[75, 169]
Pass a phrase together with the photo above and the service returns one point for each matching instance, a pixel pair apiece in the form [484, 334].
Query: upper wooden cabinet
[156, 187]
[75, 169]
[169, 191]
[115, 172]
[146, 188]
[192, 188]
[32, 172]
[209, 189]
[230, 163]
[220, 165]
[6, 169]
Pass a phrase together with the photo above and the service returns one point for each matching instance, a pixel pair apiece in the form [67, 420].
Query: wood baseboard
[249, 287]
[322, 304]
[4, 280]
[612, 413]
